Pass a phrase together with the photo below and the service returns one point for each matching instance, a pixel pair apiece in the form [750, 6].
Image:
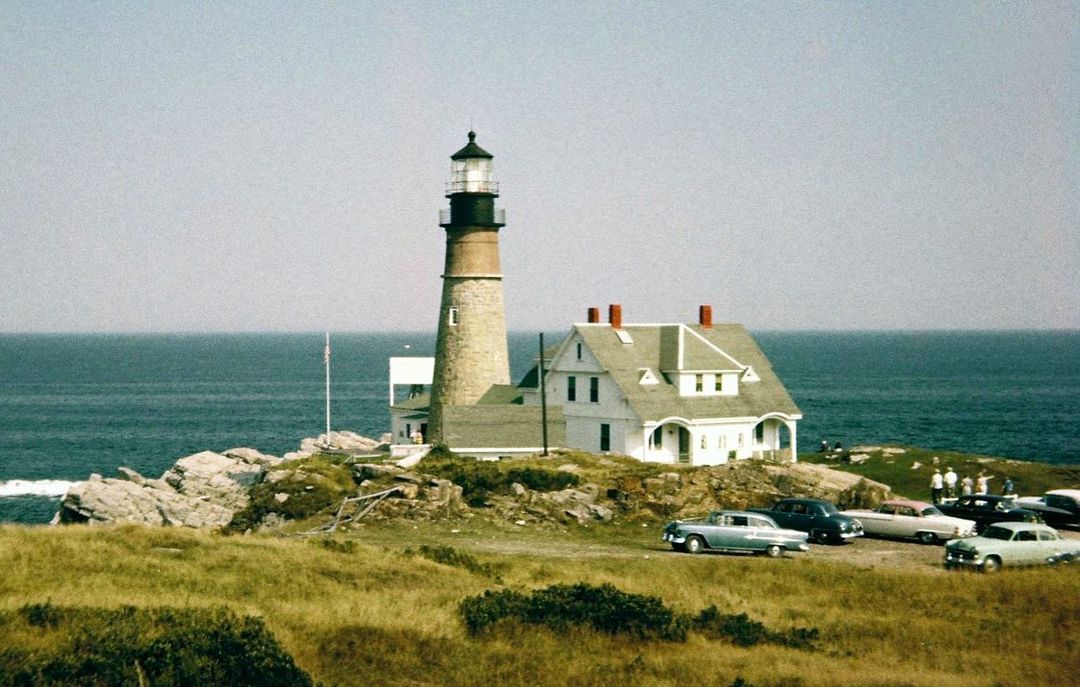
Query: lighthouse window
[452, 316]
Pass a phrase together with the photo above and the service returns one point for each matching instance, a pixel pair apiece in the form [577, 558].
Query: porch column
[794, 444]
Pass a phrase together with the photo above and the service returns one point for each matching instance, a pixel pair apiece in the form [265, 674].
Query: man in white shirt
[950, 483]
[937, 482]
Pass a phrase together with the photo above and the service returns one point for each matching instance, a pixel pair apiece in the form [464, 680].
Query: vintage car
[912, 520]
[733, 531]
[986, 509]
[820, 519]
[1010, 544]
[1060, 507]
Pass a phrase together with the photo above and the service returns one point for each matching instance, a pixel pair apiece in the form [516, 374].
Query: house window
[579, 351]
[759, 433]
[699, 383]
[605, 436]
[594, 389]
[740, 439]
[718, 384]
[452, 316]
[571, 388]
[704, 441]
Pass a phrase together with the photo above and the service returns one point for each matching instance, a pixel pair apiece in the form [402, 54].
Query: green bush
[312, 485]
[610, 611]
[130, 646]
[742, 631]
[479, 479]
[448, 555]
[604, 609]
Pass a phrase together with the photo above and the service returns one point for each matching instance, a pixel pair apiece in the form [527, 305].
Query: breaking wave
[53, 488]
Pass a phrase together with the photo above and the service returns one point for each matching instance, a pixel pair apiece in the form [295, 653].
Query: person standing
[982, 484]
[950, 483]
[967, 485]
[1007, 487]
[936, 484]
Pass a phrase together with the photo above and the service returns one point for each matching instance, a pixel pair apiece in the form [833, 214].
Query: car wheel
[695, 544]
[927, 538]
[774, 551]
[991, 564]
[820, 537]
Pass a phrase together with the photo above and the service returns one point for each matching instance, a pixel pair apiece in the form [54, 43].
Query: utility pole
[543, 398]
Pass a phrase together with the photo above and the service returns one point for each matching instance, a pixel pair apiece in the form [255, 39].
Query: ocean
[74, 404]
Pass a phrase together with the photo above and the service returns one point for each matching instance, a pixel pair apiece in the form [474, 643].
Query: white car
[912, 520]
[1011, 544]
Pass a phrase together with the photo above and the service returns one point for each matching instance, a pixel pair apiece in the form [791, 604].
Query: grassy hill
[379, 604]
[896, 470]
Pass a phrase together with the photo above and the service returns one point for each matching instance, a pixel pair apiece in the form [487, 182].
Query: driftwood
[341, 519]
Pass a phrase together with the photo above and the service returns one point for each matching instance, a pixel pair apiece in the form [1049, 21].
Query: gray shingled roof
[421, 402]
[501, 426]
[655, 347]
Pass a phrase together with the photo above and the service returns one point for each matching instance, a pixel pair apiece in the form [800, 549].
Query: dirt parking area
[864, 552]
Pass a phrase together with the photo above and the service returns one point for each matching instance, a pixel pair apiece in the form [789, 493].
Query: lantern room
[471, 170]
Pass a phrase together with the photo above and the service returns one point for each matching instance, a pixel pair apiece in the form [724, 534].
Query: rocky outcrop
[338, 442]
[746, 484]
[203, 490]
[580, 505]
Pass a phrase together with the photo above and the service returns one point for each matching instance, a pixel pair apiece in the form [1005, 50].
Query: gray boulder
[202, 490]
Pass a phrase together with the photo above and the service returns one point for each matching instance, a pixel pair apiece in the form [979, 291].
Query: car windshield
[827, 509]
[998, 533]
[930, 510]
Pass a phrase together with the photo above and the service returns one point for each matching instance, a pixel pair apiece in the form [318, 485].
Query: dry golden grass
[374, 615]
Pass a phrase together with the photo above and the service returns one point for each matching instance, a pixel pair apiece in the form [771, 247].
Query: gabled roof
[684, 350]
[420, 402]
[722, 347]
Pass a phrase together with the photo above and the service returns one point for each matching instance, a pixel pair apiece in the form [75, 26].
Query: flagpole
[326, 359]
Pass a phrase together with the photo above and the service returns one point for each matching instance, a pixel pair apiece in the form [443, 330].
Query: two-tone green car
[1011, 544]
[734, 531]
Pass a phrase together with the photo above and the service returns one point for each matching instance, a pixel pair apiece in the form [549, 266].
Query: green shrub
[479, 479]
[313, 485]
[742, 631]
[610, 611]
[448, 555]
[162, 647]
[604, 609]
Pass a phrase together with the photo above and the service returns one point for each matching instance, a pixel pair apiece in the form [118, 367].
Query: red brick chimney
[705, 316]
[615, 316]
[594, 316]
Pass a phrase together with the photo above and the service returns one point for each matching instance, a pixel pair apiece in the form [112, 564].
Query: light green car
[1011, 544]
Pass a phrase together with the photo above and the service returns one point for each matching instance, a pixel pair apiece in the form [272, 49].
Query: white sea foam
[41, 487]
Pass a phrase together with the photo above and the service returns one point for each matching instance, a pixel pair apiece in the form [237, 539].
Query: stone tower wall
[471, 355]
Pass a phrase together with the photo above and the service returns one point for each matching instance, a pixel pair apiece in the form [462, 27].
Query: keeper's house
[670, 393]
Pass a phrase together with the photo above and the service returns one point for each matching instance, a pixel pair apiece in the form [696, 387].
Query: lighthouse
[470, 350]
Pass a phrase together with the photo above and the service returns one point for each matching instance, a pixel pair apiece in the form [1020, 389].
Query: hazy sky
[264, 166]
